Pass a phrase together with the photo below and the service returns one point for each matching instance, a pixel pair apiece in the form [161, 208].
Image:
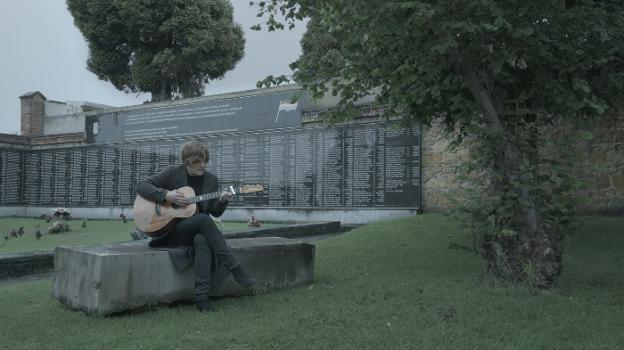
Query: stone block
[108, 279]
[22, 264]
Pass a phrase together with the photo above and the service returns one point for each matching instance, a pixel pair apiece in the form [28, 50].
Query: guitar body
[153, 218]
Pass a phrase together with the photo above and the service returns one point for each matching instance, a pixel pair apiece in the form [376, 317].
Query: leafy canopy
[504, 72]
[533, 57]
[168, 48]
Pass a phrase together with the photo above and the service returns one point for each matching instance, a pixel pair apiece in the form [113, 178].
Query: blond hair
[193, 151]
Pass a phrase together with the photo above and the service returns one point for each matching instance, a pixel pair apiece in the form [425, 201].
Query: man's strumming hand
[176, 197]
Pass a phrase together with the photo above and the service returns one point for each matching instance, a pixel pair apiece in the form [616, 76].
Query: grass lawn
[388, 285]
[95, 232]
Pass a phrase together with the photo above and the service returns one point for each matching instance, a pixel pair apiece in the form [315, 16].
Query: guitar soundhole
[175, 206]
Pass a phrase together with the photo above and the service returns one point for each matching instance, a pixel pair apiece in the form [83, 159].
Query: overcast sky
[41, 49]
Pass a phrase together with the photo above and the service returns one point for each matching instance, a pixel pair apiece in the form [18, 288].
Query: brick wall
[600, 166]
[60, 139]
[439, 163]
[14, 139]
[72, 138]
[32, 113]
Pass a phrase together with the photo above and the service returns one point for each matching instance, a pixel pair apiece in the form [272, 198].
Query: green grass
[95, 232]
[388, 285]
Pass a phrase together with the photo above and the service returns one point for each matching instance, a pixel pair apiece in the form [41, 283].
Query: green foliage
[169, 48]
[489, 206]
[539, 58]
[506, 73]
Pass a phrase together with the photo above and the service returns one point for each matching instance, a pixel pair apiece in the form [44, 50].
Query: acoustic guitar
[153, 218]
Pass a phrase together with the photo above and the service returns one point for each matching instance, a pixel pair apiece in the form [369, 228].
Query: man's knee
[204, 218]
[207, 223]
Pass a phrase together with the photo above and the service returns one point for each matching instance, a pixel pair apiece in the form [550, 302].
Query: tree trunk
[162, 93]
[532, 254]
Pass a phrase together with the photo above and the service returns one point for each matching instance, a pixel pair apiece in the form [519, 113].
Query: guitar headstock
[251, 188]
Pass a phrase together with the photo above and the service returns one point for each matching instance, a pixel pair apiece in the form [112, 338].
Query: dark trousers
[200, 232]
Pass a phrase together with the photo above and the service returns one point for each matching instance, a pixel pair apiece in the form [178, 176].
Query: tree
[167, 48]
[506, 72]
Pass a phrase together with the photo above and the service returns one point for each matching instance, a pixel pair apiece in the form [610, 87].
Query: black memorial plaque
[303, 170]
[126, 177]
[331, 169]
[46, 177]
[32, 177]
[350, 166]
[77, 174]
[92, 179]
[58, 184]
[277, 186]
[358, 165]
[199, 119]
[11, 176]
[108, 176]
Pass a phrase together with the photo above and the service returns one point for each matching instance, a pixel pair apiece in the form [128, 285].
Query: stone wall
[64, 124]
[28, 143]
[439, 163]
[64, 140]
[14, 140]
[600, 167]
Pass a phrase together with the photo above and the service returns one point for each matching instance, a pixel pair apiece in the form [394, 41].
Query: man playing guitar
[198, 231]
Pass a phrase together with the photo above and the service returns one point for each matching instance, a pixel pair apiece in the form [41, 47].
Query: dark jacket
[173, 177]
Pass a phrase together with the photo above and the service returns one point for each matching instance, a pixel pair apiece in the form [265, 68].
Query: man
[198, 231]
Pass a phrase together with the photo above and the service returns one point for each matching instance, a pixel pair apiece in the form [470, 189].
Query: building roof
[32, 93]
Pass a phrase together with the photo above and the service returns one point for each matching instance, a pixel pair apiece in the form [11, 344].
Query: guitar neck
[206, 196]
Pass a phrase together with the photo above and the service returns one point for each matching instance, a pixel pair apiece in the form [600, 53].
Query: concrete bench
[108, 279]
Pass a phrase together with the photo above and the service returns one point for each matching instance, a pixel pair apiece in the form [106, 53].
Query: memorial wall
[257, 139]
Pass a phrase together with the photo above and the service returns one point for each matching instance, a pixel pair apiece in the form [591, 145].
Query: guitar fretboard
[207, 196]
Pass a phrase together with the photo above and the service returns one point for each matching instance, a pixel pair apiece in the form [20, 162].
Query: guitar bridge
[157, 209]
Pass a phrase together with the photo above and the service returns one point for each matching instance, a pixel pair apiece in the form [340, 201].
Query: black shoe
[243, 278]
[204, 306]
